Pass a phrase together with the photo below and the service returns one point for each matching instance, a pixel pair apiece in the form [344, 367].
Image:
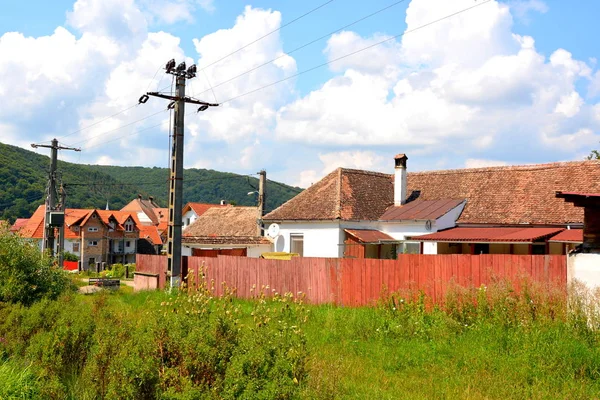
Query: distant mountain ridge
[23, 177]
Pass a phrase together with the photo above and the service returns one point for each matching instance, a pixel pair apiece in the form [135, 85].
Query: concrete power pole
[61, 229]
[176, 167]
[52, 195]
[262, 183]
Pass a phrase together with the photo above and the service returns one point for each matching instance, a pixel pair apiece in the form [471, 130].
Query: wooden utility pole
[51, 196]
[176, 166]
[262, 183]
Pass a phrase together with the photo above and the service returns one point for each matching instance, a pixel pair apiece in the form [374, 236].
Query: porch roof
[489, 235]
[369, 235]
[568, 236]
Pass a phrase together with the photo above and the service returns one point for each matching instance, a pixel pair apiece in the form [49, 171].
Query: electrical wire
[355, 52]
[302, 46]
[267, 34]
[98, 122]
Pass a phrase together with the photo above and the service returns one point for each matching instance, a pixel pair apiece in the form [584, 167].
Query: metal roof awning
[568, 236]
[490, 235]
[370, 236]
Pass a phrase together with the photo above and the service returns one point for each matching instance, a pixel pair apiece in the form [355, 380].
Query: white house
[355, 213]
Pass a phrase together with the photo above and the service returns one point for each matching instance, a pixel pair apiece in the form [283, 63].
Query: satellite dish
[273, 231]
[428, 225]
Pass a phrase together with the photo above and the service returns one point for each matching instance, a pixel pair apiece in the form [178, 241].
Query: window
[297, 244]
[128, 244]
[128, 226]
[482, 248]
[409, 248]
[94, 216]
[93, 229]
[92, 262]
[76, 247]
[92, 243]
[75, 229]
[538, 248]
[187, 221]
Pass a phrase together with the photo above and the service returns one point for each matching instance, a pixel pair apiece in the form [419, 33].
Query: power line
[354, 52]
[85, 184]
[303, 46]
[121, 127]
[267, 34]
[290, 188]
[98, 122]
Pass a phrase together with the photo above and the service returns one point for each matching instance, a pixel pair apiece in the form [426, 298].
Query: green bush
[18, 382]
[26, 276]
[118, 271]
[68, 256]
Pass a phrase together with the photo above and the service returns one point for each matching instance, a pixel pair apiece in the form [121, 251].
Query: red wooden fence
[355, 282]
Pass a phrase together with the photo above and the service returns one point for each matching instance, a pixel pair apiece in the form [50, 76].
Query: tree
[27, 276]
[594, 155]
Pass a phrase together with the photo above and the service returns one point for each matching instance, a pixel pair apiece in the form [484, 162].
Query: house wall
[430, 248]
[253, 251]
[321, 239]
[448, 220]
[585, 268]
[99, 252]
[499, 248]
[191, 215]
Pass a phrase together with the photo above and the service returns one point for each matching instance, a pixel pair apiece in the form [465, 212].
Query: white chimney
[400, 179]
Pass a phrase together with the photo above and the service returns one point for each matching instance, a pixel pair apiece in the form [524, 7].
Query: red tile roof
[494, 195]
[487, 235]
[200, 208]
[150, 233]
[225, 240]
[568, 236]
[369, 235]
[420, 210]
[19, 223]
[346, 194]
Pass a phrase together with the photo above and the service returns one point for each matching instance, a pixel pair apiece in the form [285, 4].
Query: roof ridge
[519, 167]
[364, 172]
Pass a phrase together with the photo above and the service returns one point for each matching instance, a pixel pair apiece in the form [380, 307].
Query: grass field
[487, 343]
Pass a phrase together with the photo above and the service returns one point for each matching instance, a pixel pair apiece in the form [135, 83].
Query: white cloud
[465, 85]
[522, 8]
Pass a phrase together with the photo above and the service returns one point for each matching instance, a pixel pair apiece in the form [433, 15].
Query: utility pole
[50, 224]
[61, 229]
[262, 183]
[176, 166]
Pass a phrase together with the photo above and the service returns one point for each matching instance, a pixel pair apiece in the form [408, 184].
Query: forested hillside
[23, 177]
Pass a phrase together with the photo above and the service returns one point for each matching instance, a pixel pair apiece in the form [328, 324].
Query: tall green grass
[482, 343]
[17, 382]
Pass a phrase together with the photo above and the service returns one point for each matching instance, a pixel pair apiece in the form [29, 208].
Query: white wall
[321, 239]
[448, 220]
[585, 268]
[429, 247]
[191, 214]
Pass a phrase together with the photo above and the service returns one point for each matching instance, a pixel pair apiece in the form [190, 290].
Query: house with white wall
[227, 230]
[511, 210]
[191, 211]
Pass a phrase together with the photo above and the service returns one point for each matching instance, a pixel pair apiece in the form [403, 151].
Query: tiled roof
[486, 235]
[224, 225]
[495, 195]
[369, 235]
[200, 208]
[568, 236]
[420, 210]
[150, 233]
[346, 194]
[148, 207]
[19, 223]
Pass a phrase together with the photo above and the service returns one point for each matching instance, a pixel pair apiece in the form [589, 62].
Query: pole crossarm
[187, 99]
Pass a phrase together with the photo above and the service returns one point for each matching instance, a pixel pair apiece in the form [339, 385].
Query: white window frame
[129, 226]
[92, 243]
[92, 229]
[294, 239]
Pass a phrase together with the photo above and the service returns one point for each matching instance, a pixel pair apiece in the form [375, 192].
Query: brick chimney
[400, 179]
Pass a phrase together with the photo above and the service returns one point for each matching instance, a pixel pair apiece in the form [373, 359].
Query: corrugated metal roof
[568, 236]
[369, 235]
[487, 235]
[420, 209]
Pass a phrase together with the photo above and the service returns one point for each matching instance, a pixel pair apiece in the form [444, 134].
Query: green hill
[23, 177]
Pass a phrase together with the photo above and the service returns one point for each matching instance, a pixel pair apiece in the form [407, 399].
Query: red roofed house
[95, 236]
[510, 210]
[191, 211]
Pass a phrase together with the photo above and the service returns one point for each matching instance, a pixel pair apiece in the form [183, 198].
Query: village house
[95, 236]
[150, 214]
[505, 210]
[225, 231]
[191, 211]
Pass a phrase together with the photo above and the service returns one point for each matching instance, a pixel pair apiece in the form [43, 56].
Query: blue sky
[511, 82]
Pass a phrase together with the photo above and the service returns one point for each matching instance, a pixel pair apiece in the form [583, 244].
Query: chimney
[224, 202]
[151, 198]
[139, 196]
[400, 179]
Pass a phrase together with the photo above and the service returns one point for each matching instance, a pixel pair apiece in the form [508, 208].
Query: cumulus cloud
[466, 85]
